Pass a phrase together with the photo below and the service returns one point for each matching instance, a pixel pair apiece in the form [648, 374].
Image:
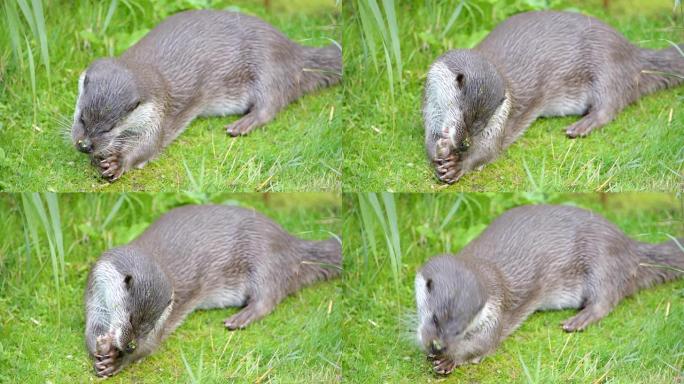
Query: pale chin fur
[421, 304]
[497, 122]
[484, 318]
[159, 325]
[440, 113]
[106, 305]
[77, 110]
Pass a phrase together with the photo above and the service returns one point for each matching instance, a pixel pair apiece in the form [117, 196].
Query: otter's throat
[497, 123]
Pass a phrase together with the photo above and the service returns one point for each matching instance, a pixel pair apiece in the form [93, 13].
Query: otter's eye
[130, 347]
[434, 320]
[80, 119]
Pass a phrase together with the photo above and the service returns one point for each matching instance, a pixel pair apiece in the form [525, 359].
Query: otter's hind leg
[257, 116]
[255, 310]
[610, 93]
[591, 313]
[592, 120]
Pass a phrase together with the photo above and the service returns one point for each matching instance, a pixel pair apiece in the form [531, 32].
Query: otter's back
[212, 55]
[551, 250]
[192, 241]
[554, 56]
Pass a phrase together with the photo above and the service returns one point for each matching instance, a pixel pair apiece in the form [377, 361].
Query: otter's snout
[84, 145]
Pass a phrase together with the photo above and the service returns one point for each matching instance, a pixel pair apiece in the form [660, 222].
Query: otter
[532, 258]
[194, 257]
[478, 101]
[195, 63]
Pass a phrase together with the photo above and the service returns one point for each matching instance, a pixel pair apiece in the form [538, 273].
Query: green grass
[383, 134]
[298, 151]
[41, 328]
[639, 342]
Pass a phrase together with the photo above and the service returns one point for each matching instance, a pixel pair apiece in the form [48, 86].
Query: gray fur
[194, 63]
[549, 64]
[201, 257]
[531, 258]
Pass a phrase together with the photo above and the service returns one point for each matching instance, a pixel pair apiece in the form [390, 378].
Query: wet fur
[195, 63]
[210, 257]
[531, 258]
[551, 64]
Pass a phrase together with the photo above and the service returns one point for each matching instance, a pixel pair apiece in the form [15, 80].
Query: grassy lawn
[41, 327]
[298, 151]
[639, 342]
[383, 136]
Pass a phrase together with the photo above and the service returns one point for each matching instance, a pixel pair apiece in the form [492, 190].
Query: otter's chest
[225, 296]
[566, 101]
[225, 103]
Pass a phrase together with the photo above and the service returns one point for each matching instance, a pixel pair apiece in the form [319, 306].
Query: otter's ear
[85, 80]
[128, 280]
[428, 285]
[460, 80]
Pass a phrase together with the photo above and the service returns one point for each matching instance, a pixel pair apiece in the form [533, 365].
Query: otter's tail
[322, 260]
[322, 67]
[661, 69]
[660, 262]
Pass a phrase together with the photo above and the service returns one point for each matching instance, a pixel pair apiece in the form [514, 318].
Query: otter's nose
[436, 347]
[85, 145]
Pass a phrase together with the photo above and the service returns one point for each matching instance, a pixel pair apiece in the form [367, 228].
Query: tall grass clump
[26, 25]
[34, 20]
[382, 211]
[382, 24]
[42, 217]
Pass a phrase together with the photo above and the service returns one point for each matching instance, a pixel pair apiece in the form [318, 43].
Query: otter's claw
[110, 168]
[443, 365]
[106, 356]
[447, 163]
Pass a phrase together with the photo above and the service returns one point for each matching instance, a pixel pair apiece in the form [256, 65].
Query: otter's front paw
[107, 357]
[448, 162]
[111, 168]
[449, 170]
[443, 365]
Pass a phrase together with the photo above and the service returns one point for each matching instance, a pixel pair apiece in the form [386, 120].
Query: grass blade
[452, 212]
[110, 13]
[42, 36]
[368, 227]
[368, 29]
[31, 225]
[390, 209]
[14, 33]
[32, 74]
[56, 224]
[28, 15]
[453, 18]
[393, 34]
[113, 211]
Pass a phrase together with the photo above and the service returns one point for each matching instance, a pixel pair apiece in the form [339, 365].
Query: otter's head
[113, 110]
[462, 93]
[449, 297]
[138, 298]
